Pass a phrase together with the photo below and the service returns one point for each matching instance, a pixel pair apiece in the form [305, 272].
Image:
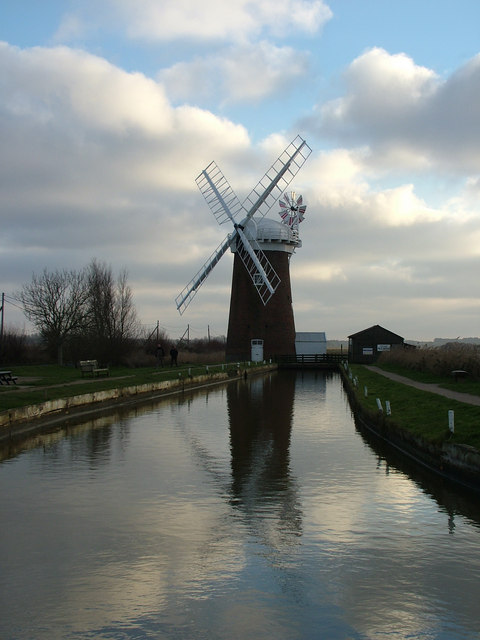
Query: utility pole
[186, 333]
[2, 314]
[208, 331]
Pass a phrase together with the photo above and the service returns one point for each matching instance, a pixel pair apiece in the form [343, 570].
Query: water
[253, 510]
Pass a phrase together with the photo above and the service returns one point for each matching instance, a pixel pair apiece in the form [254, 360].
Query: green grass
[418, 376]
[50, 382]
[422, 413]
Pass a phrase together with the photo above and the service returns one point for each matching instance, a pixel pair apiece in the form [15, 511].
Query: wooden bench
[459, 374]
[6, 377]
[91, 366]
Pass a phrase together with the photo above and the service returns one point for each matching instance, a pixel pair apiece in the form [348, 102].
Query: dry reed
[440, 361]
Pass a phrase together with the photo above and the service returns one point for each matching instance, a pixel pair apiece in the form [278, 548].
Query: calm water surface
[255, 510]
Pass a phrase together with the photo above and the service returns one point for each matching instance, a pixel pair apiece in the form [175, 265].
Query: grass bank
[38, 384]
[423, 414]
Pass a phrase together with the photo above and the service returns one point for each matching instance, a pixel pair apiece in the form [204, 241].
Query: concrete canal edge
[456, 462]
[24, 421]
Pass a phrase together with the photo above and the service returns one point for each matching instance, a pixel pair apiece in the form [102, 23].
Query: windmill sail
[261, 272]
[219, 195]
[278, 177]
[189, 291]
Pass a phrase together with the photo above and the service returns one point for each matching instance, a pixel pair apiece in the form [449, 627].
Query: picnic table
[6, 377]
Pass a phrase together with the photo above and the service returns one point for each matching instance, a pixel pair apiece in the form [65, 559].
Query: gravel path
[467, 398]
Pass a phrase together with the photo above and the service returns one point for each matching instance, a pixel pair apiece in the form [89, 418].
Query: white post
[388, 408]
[451, 420]
[379, 405]
[365, 391]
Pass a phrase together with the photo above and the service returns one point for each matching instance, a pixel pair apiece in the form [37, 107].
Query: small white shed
[310, 342]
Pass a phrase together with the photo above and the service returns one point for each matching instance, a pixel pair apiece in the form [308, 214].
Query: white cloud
[226, 51]
[318, 271]
[243, 74]
[217, 20]
[342, 185]
[72, 28]
[282, 17]
[406, 114]
[382, 93]
[44, 84]
[400, 206]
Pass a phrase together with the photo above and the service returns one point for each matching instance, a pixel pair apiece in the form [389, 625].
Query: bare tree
[101, 297]
[56, 303]
[113, 319]
[126, 322]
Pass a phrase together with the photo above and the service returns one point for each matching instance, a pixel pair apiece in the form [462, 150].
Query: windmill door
[257, 351]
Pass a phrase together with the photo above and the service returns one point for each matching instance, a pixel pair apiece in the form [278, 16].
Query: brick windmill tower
[261, 322]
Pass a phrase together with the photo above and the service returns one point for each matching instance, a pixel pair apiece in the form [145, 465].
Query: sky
[109, 110]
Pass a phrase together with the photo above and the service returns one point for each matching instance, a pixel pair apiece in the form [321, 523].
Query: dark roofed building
[366, 346]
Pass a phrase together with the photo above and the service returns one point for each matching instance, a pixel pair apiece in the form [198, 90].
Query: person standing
[173, 356]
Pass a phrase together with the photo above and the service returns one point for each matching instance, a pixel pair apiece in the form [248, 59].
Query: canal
[255, 509]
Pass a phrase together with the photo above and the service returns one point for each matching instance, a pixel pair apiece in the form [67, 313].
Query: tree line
[80, 313]
[90, 314]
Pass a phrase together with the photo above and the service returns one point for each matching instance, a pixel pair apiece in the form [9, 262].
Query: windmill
[260, 304]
